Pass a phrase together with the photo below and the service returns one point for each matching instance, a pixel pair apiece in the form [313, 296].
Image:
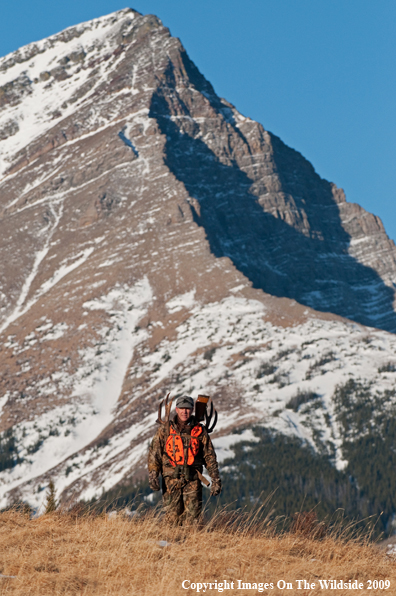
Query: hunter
[178, 451]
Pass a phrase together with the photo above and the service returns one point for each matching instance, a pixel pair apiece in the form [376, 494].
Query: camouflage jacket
[159, 462]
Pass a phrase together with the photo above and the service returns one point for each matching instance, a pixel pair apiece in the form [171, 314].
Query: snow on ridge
[98, 25]
[39, 98]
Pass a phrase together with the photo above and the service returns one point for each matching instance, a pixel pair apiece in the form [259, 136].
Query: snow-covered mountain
[153, 239]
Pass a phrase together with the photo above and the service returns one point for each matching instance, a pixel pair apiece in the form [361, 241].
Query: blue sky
[318, 73]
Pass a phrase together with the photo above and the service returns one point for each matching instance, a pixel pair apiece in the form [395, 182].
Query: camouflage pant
[182, 504]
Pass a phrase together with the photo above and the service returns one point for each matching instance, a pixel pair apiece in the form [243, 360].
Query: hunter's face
[183, 414]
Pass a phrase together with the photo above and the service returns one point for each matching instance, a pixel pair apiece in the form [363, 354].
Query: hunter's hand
[154, 481]
[215, 488]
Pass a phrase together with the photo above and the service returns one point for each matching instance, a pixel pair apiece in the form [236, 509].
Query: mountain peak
[40, 79]
[155, 239]
[99, 28]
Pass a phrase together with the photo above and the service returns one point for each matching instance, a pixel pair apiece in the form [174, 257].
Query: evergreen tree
[8, 450]
[51, 504]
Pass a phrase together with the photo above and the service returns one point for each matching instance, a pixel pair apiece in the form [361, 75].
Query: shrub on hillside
[302, 397]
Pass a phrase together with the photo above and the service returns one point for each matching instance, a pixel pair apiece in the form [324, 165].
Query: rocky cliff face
[262, 204]
[154, 239]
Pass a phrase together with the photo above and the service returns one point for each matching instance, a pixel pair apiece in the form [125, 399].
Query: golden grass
[62, 554]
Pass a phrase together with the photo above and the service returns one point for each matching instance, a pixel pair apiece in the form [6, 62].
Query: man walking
[178, 452]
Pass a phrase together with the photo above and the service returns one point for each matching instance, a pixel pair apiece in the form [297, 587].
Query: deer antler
[208, 418]
[168, 407]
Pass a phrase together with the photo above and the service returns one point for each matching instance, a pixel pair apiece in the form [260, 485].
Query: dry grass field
[97, 555]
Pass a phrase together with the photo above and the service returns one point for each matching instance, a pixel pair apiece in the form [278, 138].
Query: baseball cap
[185, 402]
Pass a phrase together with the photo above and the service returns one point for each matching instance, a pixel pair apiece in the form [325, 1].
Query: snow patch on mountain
[230, 344]
[186, 300]
[64, 430]
[35, 102]
[224, 445]
[222, 347]
[21, 308]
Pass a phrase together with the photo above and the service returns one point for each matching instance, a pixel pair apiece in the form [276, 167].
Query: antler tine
[159, 419]
[214, 423]
[168, 407]
[208, 417]
[211, 410]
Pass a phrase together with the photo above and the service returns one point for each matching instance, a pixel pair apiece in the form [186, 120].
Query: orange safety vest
[174, 446]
